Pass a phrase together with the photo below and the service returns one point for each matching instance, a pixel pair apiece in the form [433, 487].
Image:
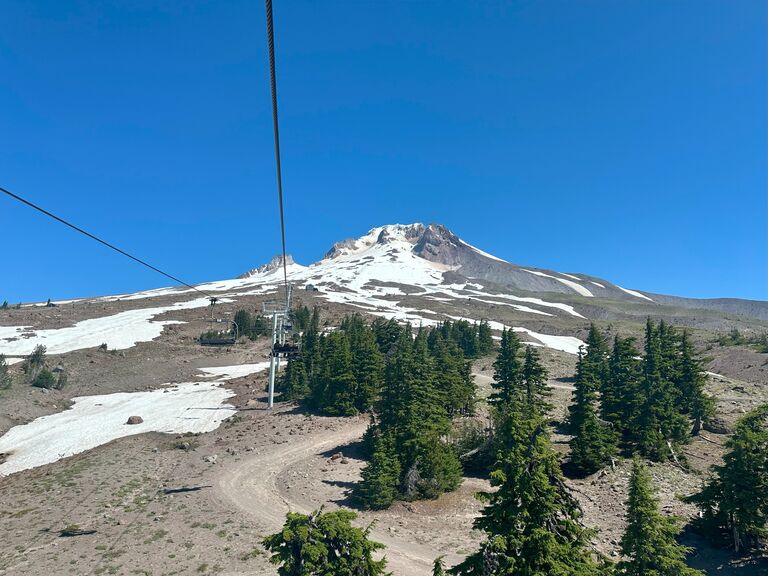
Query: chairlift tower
[281, 324]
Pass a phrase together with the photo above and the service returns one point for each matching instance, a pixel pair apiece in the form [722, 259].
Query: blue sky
[628, 140]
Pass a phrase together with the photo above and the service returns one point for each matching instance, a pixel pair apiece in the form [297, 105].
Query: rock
[337, 456]
[211, 459]
[717, 426]
[135, 420]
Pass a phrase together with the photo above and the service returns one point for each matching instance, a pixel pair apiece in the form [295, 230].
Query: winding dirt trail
[251, 485]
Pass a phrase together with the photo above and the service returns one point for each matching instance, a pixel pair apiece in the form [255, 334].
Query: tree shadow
[353, 449]
[721, 561]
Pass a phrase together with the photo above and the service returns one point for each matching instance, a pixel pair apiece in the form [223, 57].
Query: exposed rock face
[135, 420]
[274, 264]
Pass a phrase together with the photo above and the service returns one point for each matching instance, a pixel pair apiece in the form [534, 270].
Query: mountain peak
[275, 263]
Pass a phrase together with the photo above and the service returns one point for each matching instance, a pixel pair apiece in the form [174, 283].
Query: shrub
[45, 379]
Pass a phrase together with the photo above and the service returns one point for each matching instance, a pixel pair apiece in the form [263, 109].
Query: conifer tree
[507, 376]
[660, 426]
[454, 375]
[380, 477]
[692, 379]
[438, 567]
[368, 368]
[648, 543]
[620, 398]
[531, 520]
[484, 339]
[534, 378]
[243, 322]
[294, 384]
[735, 501]
[334, 392]
[324, 544]
[593, 443]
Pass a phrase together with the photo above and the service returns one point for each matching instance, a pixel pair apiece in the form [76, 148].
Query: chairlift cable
[104, 242]
[273, 87]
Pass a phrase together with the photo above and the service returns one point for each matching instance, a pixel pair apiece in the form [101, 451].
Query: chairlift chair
[214, 337]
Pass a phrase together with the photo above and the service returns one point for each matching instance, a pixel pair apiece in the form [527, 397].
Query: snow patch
[577, 287]
[634, 293]
[232, 372]
[96, 420]
[119, 331]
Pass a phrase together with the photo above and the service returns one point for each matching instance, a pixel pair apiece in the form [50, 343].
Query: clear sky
[628, 140]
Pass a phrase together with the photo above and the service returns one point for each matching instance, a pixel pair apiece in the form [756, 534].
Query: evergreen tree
[531, 520]
[484, 339]
[454, 375]
[660, 426]
[649, 544]
[438, 567]
[294, 384]
[735, 501]
[535, 381]
[507, 385]
[380, 477]
[692, 378]
[368, 367]
[324, 544]
[334, 388]
[593, 443]
[244, 322]
[35, 361]
[620, 398]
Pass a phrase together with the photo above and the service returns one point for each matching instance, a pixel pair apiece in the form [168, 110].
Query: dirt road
[252, 486]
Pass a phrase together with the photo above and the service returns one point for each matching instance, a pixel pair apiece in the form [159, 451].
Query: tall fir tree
[368, 368]
[648, 544]
[507, 376]
[380, 478]
[334, 391]
[691, 380]
[534, 377]
[531, 521]
[661, 427]
[620, 398]
[484, 339]
[734, 502]
[594, 441]
[294, 384]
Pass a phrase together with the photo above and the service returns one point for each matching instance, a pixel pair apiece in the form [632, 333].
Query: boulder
[717, 426]
[135, 420]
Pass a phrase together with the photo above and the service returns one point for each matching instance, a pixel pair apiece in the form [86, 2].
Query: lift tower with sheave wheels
[282, 345]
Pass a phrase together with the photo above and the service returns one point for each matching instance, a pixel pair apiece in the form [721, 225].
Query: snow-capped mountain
[390, 267]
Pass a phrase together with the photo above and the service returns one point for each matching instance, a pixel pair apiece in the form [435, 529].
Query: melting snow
[577, 287]
[569, 344]
[236, 371]
[96, 420]
[118, 331]
[634, 293]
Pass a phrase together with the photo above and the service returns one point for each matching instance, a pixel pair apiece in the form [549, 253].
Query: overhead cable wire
[99, 240]
[273, 86]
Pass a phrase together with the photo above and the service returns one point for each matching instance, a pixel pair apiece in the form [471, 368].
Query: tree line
[412, 384]
[646, 404]
[626, 402]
